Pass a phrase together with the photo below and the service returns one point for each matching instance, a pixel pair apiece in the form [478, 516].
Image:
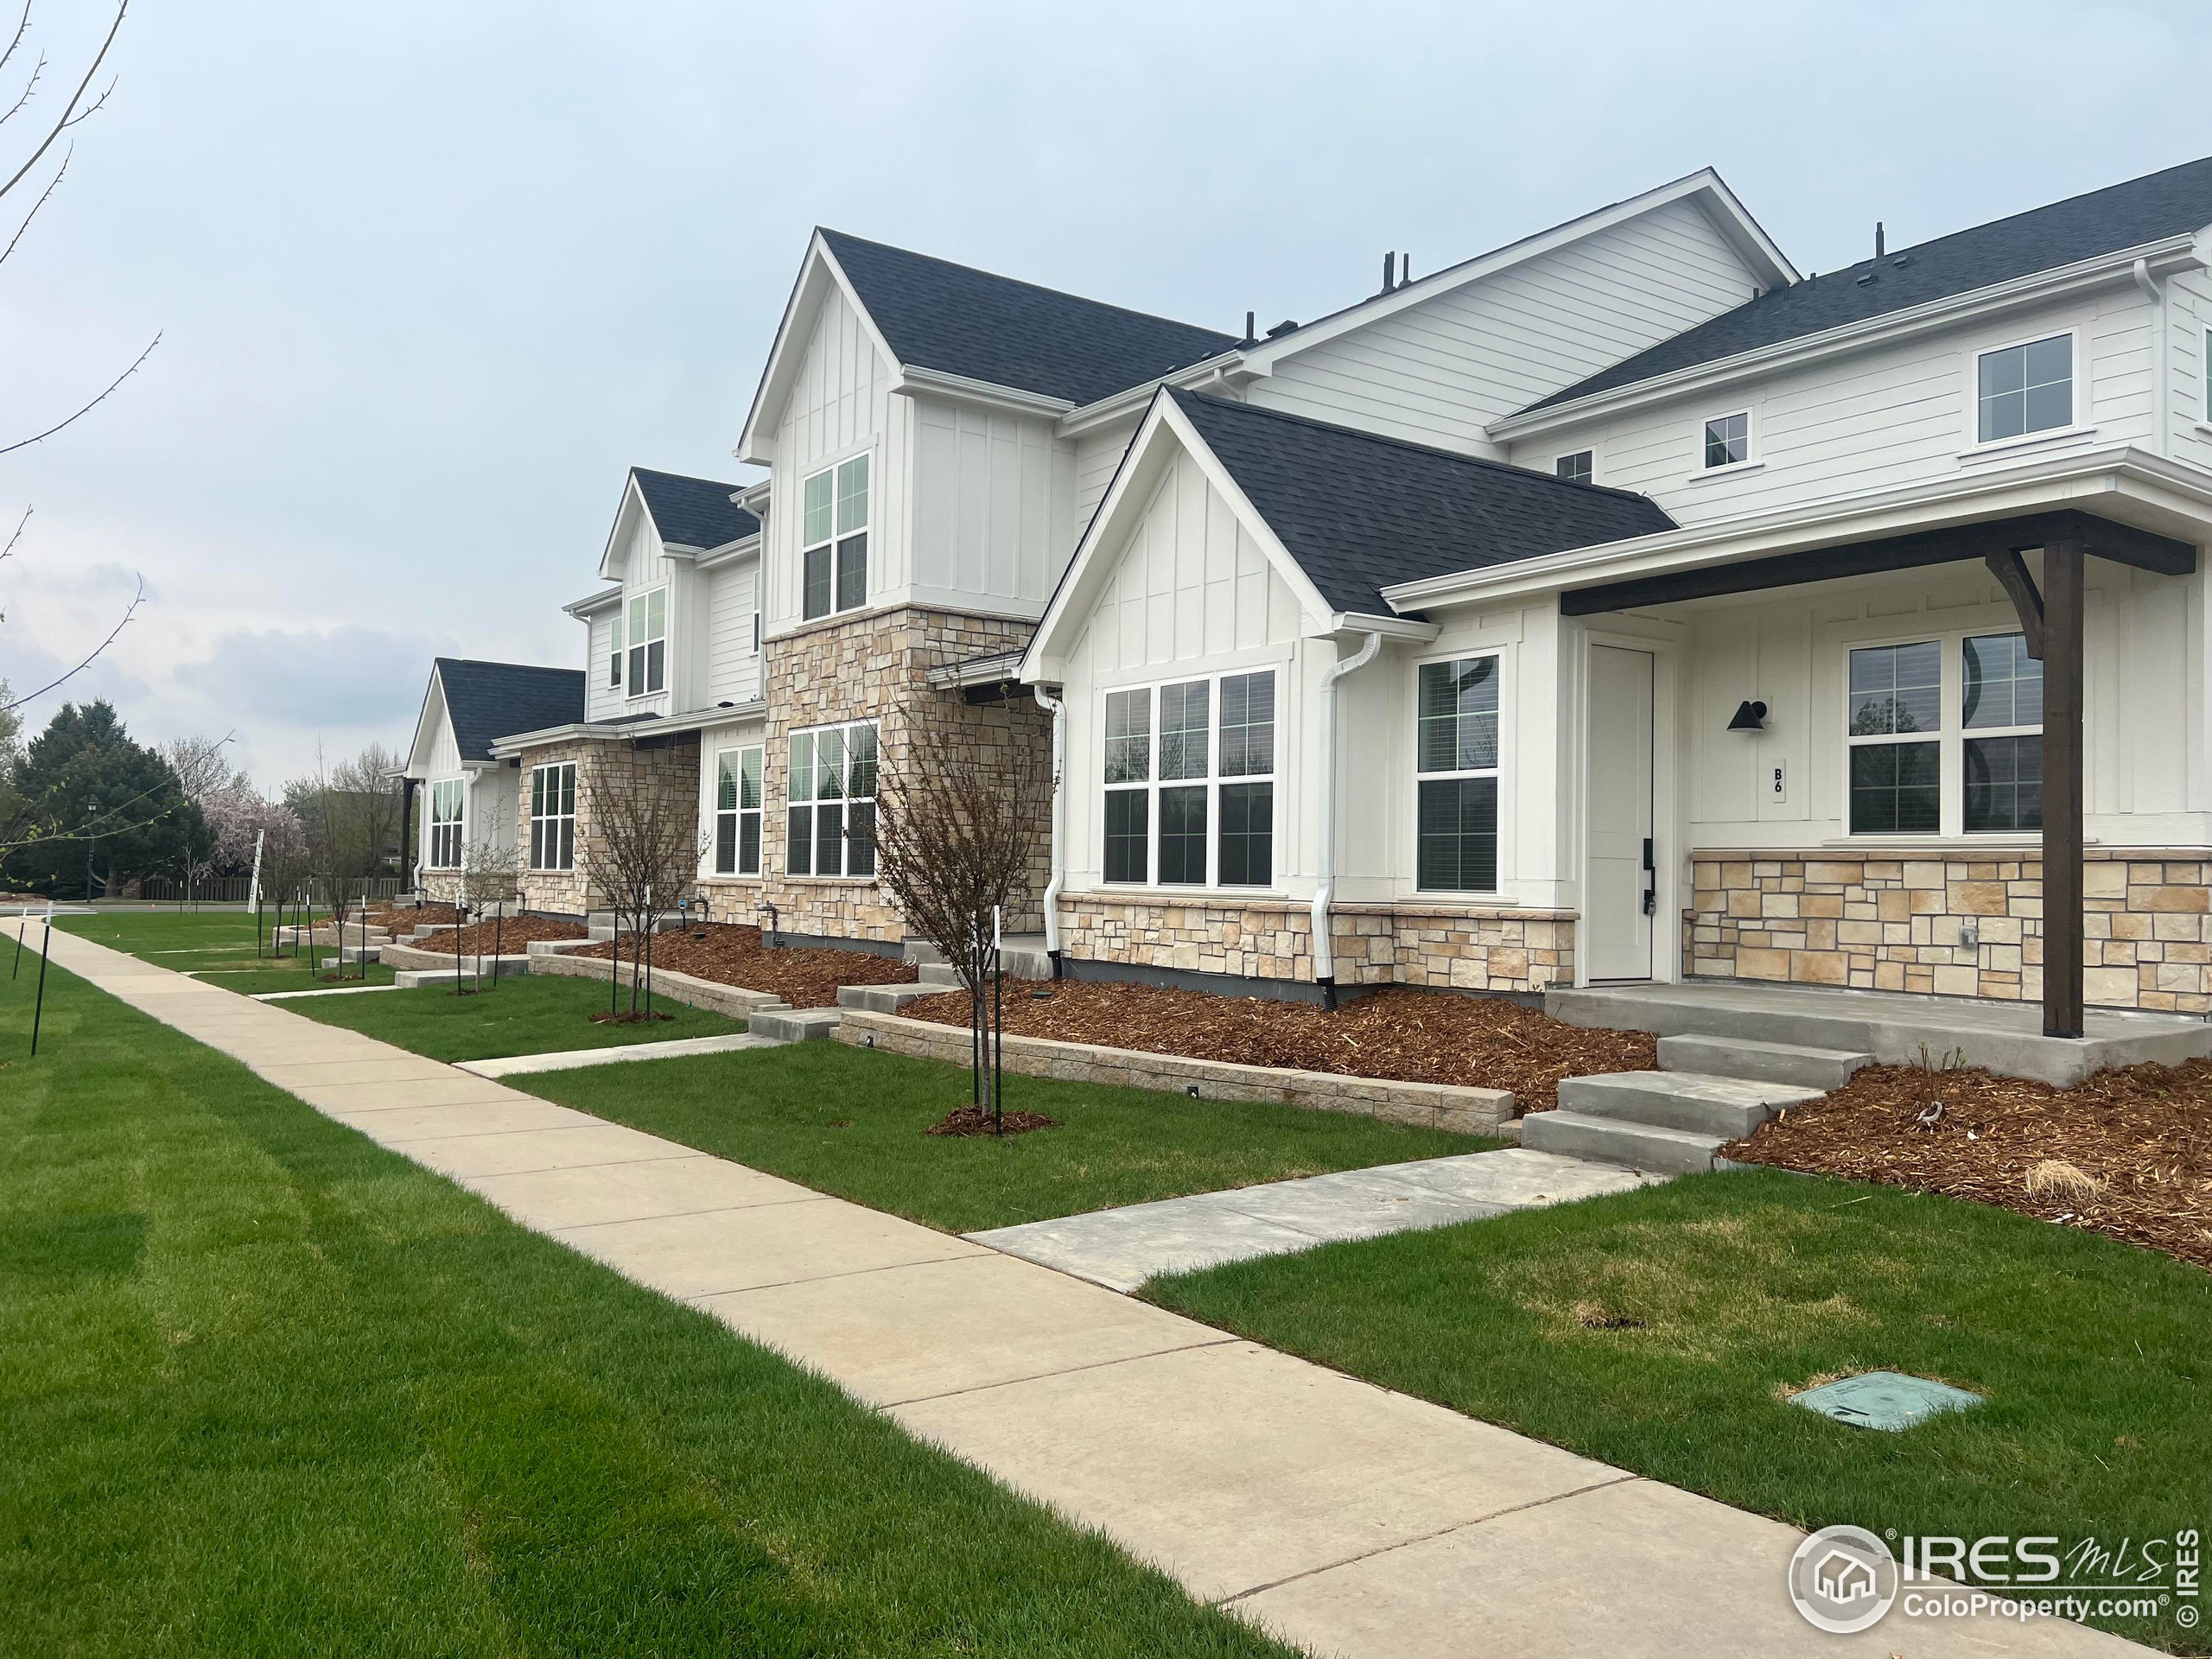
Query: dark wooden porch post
[2062, 789]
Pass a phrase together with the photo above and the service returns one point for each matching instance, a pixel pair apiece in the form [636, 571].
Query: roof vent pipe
[1251, 320]
[1389, 267]
[1325, 953]
[1405, 269]
[1878, 249]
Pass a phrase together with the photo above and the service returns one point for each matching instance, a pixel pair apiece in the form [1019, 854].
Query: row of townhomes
[1620, 604]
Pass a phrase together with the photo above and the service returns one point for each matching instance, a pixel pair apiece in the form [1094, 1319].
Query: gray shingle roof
[938, 315]
[1359, 512]
[2171, 203]
[489, 701]
[693, 512]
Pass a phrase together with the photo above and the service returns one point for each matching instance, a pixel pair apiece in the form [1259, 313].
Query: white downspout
[2163, 434]
[1056, 707]
[1325, 951]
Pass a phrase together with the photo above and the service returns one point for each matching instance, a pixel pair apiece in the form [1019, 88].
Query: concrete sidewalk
[1344, 1518]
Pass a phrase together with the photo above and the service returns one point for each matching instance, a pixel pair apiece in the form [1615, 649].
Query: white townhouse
[468, 793]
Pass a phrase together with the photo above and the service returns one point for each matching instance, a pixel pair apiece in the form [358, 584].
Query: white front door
[1621, 887]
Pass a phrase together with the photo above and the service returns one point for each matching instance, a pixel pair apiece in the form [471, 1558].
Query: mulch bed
[512, 936]
[2127, 1153]
[1413, 1036]
[406, 921]
[974, 1119]
[624, 1017]
[731, 953]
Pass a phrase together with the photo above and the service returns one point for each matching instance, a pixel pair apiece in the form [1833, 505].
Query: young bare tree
[958, 808]
[491, 886]
[642, 852]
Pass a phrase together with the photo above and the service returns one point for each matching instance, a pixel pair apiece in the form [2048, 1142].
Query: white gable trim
[1164, 433]
[818, 273]
[633, 502]
[433, 695]
[1703, 189]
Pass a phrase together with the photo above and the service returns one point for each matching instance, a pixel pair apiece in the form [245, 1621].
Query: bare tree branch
[45, 196]
[136, 599]
[9, 551]
[30, 86]
[69, 109]
[21, 444]
[92, 108]
[22, 28]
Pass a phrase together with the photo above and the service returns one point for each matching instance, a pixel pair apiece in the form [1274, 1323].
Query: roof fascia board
[1703, 188]
[663, 726]
[2169, 254]
[728, 552]
[1130, 403]
[632, 498]
[1163, 423]
[817, 273]
[2164, 489]
[914, 382]
[593, 604]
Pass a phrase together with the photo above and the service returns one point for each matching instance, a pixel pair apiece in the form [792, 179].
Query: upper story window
[2020, 389]
[1945, 736]
[830, 822]
[647, 633]
[1204, 815]
[737, 812]
[833, 538]
[553, 816]
[1456, 755]
[1576, 468]
[447, 801]
[1728, 440]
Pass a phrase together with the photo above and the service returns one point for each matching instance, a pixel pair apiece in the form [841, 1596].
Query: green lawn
[269, 1390]
[218, 946]
[849, 1121]
[517, 1016]
[2094, 1355]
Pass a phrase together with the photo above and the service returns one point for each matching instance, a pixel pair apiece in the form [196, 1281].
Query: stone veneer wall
[1462, 947]
[874, 667]
[668, 764]
[1884, 921]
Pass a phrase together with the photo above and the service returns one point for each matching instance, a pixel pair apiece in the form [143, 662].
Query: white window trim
[1501, 771]
[813, 801]
[1589, 450]
[2077, 424]
[1951, 739]
[738, 813]
[554, 818]
[866, 528]
[432, 825]
[642, 596]
[1211, 782]
[1752, 460]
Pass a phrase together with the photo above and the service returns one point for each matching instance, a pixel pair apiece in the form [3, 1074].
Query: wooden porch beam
[2010, 569]
[2062, 789]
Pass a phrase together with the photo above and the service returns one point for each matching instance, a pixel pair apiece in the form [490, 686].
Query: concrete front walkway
[1120, 1248]
[1354, 1520]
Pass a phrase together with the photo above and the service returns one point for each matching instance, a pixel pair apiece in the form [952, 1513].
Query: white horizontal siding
[2189, 313]
[601, 700]
[1439, 371]
[733, 667]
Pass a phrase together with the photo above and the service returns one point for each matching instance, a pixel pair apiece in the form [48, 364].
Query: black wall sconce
[1749, 717]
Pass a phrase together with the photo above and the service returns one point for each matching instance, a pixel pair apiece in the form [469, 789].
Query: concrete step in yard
[556, 947]
[793, 1025]
[1694, 1101]
[1747, 1057]
[1026, 958]
[937, 977]
[472, 969]
[1616, 1140]
[884, 999]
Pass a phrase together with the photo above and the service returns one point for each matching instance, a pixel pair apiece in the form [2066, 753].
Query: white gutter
[1056, 707]
[1324, 953]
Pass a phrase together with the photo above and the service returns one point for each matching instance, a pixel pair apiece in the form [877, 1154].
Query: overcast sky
[429, 276]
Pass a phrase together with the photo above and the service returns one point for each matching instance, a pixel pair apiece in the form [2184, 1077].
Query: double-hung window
[833, 539]
[2023, 389]
[829, 821]
[647, 629]
[1208, 784]
[446, 806]
[1456, 757]
[553, 816]
[1945, 736]
[737, 812]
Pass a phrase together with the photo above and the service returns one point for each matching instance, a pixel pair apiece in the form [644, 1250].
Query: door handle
[1650, 881]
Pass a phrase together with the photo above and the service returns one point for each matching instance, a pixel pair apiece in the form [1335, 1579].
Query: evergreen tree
[85, 791]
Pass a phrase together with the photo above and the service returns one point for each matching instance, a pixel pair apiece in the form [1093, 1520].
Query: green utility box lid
[1888, 1400]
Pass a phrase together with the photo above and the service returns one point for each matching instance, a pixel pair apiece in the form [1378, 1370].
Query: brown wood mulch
[401, 921]
[731, 953]
[974, 1119]
[511, 936]
[1414, 1036]
[2127, 1152]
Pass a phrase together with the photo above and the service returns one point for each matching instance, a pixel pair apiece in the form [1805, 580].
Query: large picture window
[553, 816]
[1456, 756]
[647, 629]
[1196, 809]
[833, 539]
[1945, 737]
[443, 844]
[737, 812]
[830, 822]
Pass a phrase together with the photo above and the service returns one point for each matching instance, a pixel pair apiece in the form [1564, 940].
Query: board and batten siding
[1439, 372]
[840, 404]
[733, 665]
[1869, 421]
[1098, 456]
[994, 508]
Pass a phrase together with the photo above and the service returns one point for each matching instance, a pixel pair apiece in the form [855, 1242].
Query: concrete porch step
[1747, 1057]
[472, 969]
[1614, 1140]
[556, 947]
[884, 998]
[939, 976]
[793, 1025]
[1695, 1102]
